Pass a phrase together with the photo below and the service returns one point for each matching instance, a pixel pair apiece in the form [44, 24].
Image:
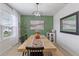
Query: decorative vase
[37, 36]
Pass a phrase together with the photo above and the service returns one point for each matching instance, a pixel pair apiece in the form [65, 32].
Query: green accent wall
[25, 24]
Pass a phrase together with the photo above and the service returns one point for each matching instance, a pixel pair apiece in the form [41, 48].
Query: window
[6, 22]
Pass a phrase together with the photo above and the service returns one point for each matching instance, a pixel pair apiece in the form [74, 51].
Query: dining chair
[35, 51]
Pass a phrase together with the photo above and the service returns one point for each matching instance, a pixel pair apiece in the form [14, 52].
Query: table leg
[23, 53]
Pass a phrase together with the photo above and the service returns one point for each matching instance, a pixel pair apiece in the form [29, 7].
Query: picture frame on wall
[70, 24]
[37, 25]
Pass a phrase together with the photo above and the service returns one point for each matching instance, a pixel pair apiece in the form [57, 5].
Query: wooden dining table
[48, 45]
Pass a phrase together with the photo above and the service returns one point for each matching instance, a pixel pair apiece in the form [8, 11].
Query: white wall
[67, 41]
[16, 20]
[13, 40]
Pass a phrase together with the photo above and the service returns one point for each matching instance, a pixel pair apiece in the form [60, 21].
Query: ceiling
[48, 9]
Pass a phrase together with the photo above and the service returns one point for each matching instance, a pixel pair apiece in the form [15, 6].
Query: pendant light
[36, 13]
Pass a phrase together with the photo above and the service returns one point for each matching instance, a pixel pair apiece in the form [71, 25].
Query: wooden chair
[35, 51]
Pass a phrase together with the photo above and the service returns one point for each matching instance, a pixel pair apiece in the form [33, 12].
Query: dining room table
[47, 44]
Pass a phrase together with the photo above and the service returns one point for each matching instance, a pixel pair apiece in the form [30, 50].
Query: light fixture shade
[36, 13]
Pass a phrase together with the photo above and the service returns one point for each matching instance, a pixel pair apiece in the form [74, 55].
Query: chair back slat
[35, 51]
